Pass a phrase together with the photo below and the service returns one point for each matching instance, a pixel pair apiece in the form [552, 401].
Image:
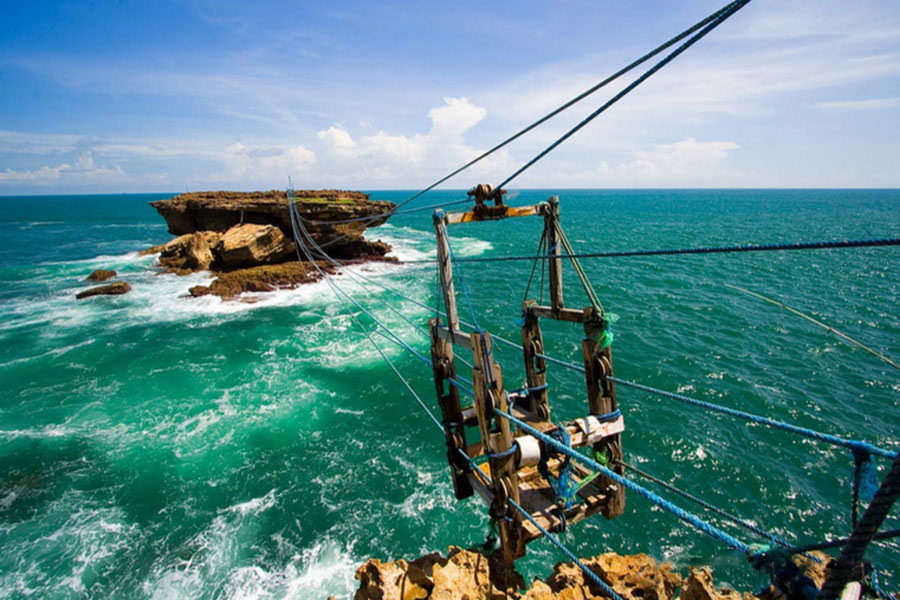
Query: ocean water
[158, 446]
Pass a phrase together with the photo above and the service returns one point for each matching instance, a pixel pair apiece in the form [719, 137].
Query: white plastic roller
[529, 450]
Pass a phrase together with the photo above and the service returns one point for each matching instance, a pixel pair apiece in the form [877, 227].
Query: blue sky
[196, 94]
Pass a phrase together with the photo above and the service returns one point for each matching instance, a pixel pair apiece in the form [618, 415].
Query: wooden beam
[535, 367]
[487, 380]
[551, 219]
[563, 314]
[451, 411]
[458, 338]
[602, 400]
[446, 268]
[511, 211]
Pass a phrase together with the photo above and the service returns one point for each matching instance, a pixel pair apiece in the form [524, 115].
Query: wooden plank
[459, 338]
[535, 367]
[451, 412]
[487, 379]
[443, 255]
[602, 400]
[511, 211]
[551, 218]
[563, 314]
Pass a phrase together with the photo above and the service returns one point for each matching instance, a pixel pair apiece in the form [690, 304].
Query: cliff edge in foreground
[245, 237]
[471, 575]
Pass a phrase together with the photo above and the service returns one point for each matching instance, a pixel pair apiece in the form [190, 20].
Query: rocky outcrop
[264, 278]
[235, 234]
[187, 253]
[220, 211]
[470, 575]
[632, 577]
[699, 585]
[101, 275]
[250, 244]
[110, 289]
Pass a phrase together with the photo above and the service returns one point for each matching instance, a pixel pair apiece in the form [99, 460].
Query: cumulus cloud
[260, 163]
[384, 156]
[82, 172]
[688, 161]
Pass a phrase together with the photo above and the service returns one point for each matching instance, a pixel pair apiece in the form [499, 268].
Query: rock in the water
[220, 211]
[200, 290]
[189, 252]
[250, 245]
[264, 278]
[101, 275]
[110, 289]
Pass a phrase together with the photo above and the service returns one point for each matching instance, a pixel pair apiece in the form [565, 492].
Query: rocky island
[244, 238]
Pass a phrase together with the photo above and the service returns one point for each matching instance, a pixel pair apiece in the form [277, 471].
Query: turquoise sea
[158, 446]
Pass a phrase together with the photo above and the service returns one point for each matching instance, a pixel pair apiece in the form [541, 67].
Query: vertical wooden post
[535, 367]
[487, 381]
[446, 268]
[551, 220]
[451, 411]
[602, 400]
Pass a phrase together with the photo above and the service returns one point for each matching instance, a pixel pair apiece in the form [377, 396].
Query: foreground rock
[101, 275]
[470, 575]
[110, 289]
[264, 278]
[235, 234]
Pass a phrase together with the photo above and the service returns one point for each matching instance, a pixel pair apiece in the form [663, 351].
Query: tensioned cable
[701, 250]
[725, 10]
[728, 12]
[335, 288]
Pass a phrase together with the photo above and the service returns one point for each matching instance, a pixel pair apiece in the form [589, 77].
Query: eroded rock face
[264, 278]
[470, 575]
[110, 289]
[250, 245]
[189, 252]
[101, 275]
[219, 211]
[699, 585]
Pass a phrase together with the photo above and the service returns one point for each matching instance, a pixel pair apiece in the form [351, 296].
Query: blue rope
[512, 450]
[822, 437]
[591, 575]
[823, 245]
[610, 416]
[776, 539]
[679, 512]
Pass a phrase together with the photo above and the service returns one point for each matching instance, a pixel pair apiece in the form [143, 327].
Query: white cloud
[868, 104]
[688, 161]
[383, 157]
[265, 163]
[83, 172]
[338, 140]
[455, 117]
